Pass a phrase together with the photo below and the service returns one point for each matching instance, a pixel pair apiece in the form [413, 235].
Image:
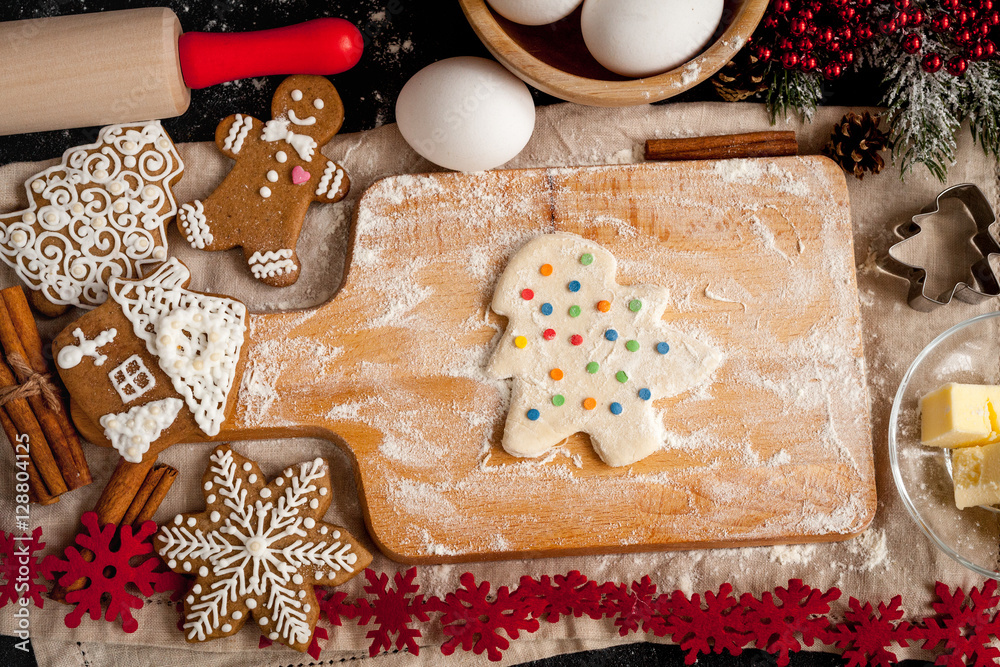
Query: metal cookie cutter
[986, 284]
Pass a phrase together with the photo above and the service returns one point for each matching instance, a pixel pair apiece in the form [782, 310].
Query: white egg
[466, 113]
[639, 38]
[534, 12]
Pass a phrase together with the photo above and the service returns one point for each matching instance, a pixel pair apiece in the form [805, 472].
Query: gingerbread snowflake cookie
[258, 550]
[279, 172]
[156, 363]
[99, 214]
[587, 354]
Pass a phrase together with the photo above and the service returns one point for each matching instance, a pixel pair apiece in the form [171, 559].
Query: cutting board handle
[321, 46]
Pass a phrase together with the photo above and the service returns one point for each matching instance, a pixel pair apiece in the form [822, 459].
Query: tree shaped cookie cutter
[985, 284]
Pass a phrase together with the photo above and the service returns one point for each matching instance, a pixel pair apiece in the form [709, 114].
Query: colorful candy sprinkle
[632, 345]
[616, 408]
[586, 259]
[556, 374]
[546, 309]
[589, 404]
[521, 342]
[527, 294]
[549, 334]
[611, 335]
[573, 286]
[574, 311]
[635, 305]
[558, 400]
[645, 394]
[603, 306]
[545, 269]
[662, 348]
[576, 339]
[621, 376]
[593, 367]
[534, 414]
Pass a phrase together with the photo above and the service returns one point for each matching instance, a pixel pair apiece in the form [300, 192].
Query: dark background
[401, 37]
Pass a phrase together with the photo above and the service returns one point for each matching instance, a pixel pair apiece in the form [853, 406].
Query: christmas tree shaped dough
[587, 354]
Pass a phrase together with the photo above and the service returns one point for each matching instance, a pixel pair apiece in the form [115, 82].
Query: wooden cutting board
[758, 258]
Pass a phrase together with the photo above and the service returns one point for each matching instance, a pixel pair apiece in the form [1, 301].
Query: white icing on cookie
[196, 338]
[296, 95]
[262, 554]
[238, 133]
[586, 353]
[131, 379]
[308, 120]
[327, 188]
[271, 263]
[194, 225]
[71, 355]
[63, 244]
[132, 432]
[277, 129]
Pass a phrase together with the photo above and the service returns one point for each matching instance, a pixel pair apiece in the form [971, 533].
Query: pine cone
[741, 77]
[856, 144]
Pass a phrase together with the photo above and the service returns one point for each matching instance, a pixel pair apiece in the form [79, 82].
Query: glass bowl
[967, 353]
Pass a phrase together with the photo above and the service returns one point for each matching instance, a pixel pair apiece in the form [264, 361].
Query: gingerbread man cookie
[99, 214]
[279, 171]
[259, 550]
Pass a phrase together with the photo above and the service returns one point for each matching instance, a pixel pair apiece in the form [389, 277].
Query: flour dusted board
[758, 261]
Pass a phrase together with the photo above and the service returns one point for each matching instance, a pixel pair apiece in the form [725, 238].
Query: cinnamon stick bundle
[720, 147]
[34, 407]
[130, 498]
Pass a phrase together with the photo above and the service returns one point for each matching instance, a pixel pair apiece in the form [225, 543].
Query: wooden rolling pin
[135, 65]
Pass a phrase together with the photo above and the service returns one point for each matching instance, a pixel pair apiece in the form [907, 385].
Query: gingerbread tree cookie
[258, 551]
[99, 214]
[587, 354]
[153, 349]
[279, 171]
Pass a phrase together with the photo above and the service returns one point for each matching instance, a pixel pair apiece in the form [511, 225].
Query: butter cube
[976, 474]
[960, 415]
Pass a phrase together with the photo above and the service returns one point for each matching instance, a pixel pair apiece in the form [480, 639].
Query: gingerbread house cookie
[279, 172]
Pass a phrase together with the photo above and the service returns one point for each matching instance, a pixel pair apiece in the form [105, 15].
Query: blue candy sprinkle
[574, 286]
[616, 408]
[645, 394]
[534, 414]
[546, 309]
[662, 348]
[611, 335]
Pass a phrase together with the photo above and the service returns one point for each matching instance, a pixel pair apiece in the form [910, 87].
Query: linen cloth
[892, 557]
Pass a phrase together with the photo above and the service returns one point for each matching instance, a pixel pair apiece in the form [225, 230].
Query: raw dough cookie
[152, 349]
[586, 353]
[97, 215]
[258, 550]
[279, 171]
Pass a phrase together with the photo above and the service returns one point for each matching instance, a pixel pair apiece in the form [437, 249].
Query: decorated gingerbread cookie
[156, 363]
[587, 354]
[259, 550]
[279, 171]
[98, 215]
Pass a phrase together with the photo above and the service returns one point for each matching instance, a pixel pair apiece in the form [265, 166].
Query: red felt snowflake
[864, 635]
[802, 610]
[474, 623]
[319, 634]
[634, 607]
[394, 610]
[571, 595]
[716, 627]
[964, 626]
[17, 553]
[334, 607]
[108, 572]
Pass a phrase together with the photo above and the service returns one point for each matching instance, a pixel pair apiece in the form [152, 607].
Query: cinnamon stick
[149, 496]
[68, 460]
[39, 494]
[24, 324]
[751, 144]
[23, 419]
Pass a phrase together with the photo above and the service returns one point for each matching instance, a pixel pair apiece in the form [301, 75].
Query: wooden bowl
[554, 58]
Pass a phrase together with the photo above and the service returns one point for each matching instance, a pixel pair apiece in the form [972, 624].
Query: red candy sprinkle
[549, 334]
[527, 294]
[576, 339]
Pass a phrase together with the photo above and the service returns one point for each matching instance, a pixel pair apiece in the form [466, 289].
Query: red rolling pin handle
[320, 46]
